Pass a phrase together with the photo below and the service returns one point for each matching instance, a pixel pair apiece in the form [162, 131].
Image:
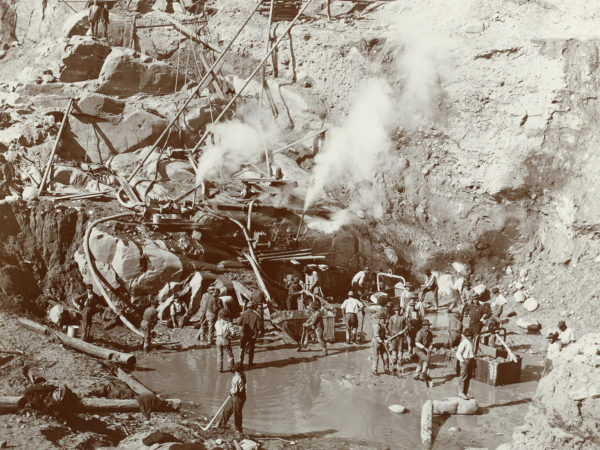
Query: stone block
[466, 406]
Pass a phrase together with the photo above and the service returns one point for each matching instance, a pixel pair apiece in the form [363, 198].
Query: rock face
[98, 139]
[565, 412]
[127, 72]
[82, 59]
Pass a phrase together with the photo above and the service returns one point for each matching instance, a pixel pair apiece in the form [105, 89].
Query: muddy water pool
[293, 393]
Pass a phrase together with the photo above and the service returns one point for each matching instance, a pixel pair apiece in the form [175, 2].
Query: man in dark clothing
[250, 326]
[294, 292]
[454, 329]
[478, 312]
[149, 320]
[237, 398]
[396, 324]
[88, 303]
[209, 308]
[257, 297]
[379, 340]
[414, 318]
[314, 322]
[424, 346]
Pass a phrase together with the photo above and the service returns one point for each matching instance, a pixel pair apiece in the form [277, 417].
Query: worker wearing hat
[465, 355]
[209, 308]
[566, 334]
[396, 326]
[350, 308]
[424, 347]
[314, 323]
[379, 342]
[414, 319]
[249, 322]
[88, 303]
[554, 348]
[224, 332]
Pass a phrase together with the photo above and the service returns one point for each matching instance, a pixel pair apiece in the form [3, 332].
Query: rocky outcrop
[126, 72]
[96, 139]
[565, 412]
[118, 33]
[82, 59]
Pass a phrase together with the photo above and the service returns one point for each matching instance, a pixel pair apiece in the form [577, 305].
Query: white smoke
[235, 143]
[354, 151]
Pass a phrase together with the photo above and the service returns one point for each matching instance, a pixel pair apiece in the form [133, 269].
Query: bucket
[72, 330]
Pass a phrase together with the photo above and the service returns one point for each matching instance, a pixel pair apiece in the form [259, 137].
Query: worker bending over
[149, 321]
[431, 285]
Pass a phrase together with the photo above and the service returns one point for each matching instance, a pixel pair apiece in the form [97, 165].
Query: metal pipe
[252, 75]
[196, 90]
[280, 149]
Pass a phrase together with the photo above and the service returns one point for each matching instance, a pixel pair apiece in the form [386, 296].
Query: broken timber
[9, 404]
[78, 344]
[133, 384]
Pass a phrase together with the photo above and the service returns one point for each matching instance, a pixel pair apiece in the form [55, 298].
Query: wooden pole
[201, 86]
[94, 275]
[427, 424]
[78, 344]
[51, 158]
[252, 75]
[511, 355]
[217, 414]
[292, 57]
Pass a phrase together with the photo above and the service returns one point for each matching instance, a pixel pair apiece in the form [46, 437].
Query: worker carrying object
[350, 308]
[236, 400]
[379, 341]
[397, 328]
[424, 348]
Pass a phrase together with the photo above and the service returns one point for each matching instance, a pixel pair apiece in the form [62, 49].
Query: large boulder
[101, 106]
[162, 266]
[103, 246]
[565, 411]
[127, 72]
[127, 261]
[82, 59]
[98, 139]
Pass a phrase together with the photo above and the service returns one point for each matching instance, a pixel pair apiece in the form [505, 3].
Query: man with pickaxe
[396, 327]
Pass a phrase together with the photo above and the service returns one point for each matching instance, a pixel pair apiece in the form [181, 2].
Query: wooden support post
[201, 86]
[292, 57]
[51, 158]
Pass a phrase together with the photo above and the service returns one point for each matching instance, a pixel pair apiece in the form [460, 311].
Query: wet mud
[336, 396]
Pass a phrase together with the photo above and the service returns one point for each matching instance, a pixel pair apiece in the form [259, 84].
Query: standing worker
[554, 348]
[314, 322]
[179, 312]
[379, 341]
[237, 398]
[414, 319]
[88, 305]
[250, 327]
[396, 324]
[461, 293]
[478, 312]
[466, 357]
[350, 308]
[454, 329]
[224, 332]
[424, 344]
[431, 285]
[149, 321]
[294, 293]
[209, 308]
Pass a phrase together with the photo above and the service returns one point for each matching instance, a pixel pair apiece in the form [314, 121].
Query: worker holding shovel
[237, 398]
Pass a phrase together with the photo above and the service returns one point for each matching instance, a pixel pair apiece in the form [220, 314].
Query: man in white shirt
[554, 348]
[358, 280]
[224, 331]
[466, 357]
[566, 334]
[350, 309]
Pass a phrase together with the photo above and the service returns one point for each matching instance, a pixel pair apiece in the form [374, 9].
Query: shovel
[217, 414]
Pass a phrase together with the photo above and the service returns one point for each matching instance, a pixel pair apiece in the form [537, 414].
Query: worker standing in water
[237, 398]
[379, 342]
[424, 348]
[315, 323]
[350, 308]
[396, 325]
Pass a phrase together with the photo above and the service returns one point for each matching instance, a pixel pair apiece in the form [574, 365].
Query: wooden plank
[134, 384]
